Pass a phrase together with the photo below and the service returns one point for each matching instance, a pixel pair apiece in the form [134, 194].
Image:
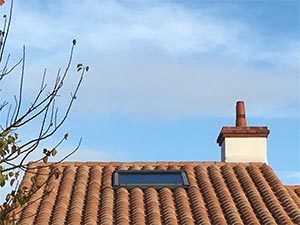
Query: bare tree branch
[42, 112]
[6, 29]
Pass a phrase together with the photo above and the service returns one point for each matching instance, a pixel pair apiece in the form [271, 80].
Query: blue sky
[165, 75]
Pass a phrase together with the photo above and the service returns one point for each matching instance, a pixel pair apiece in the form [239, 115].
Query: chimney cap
[242, 132]
[241, 129]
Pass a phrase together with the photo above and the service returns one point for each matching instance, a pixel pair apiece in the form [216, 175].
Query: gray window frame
[116, 183]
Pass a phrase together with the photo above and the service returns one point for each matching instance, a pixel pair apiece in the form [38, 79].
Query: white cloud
[88, 155]
[169, 89]
[161, 59]
[115, 26]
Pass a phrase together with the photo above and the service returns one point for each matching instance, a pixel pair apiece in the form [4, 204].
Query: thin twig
[21, 84]
[7, 30]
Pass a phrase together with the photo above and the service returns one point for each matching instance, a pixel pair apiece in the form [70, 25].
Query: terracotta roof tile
[214, 209]
[294, 191]
[254, 196]
[91, 203]
[168, 207]
[242, 203]
[218, 193]
[224, 196]
[152, 206]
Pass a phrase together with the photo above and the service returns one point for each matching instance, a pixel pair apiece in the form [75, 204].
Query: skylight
[150, 178]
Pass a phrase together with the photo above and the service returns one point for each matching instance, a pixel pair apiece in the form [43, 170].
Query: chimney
[243, 143]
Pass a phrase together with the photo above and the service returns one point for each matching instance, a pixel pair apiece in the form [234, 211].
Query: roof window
[150, 178]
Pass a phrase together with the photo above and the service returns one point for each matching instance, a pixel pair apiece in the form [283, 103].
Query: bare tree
[43, 110]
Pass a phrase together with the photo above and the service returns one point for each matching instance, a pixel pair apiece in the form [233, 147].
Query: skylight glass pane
[144, 178]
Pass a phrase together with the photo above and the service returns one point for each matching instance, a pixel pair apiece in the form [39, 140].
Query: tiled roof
[294, 191]
[218, 193]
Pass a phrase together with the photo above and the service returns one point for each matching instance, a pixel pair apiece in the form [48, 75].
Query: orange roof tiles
[218, 193]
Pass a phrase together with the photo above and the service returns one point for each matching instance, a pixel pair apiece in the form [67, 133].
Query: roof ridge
[139, 163]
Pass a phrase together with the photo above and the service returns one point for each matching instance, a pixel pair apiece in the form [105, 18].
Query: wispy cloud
[96, 155]
[169, 27]
[290, 177]
[161, 58]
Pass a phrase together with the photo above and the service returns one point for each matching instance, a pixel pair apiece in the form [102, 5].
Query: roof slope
[219, 193]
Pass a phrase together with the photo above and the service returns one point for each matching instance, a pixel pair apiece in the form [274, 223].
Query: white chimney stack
[242, 143]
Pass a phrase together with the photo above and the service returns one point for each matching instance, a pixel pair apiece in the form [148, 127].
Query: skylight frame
[182, 173]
